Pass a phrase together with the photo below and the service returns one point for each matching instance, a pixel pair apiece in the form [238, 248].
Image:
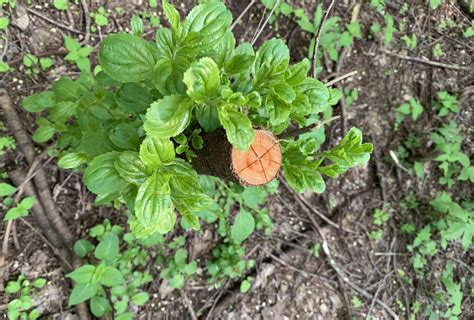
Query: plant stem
[300, 131]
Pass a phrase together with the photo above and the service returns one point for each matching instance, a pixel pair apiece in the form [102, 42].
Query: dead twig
[59, 52]
[378, 170]
[260, 30]
[61, 256]
[309, 208]
[247, 8]
[87, 18]
[40, 180]
[428, 62]
[355, 287]
[300, 131]
[325, 281]
[18, 178]
[341, 78]
[318, 36]
[188, 304]
[57, 24]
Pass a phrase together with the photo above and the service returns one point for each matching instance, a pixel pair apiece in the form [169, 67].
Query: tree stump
[254, 167]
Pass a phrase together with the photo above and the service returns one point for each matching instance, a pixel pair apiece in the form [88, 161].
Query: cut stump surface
[260, 163]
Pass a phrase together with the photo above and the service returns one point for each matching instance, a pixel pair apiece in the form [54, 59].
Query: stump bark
[254, 167]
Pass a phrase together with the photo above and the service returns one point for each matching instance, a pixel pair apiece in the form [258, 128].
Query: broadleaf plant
[137, 124]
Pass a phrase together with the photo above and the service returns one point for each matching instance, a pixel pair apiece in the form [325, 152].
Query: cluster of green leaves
[412, 108]
[177, 269]
[452, 160]
[117, 269]
[228, 258]
[381, 216]
[453, 223]
[16, 210]
[6, 141]
[4, 23]
[24, 292]
[152, 100]
[35, 65]
[304, 164]
[448, 223]
[333, 36]
[77, 54]
[410, 41]
[350, 96]
[100, 18]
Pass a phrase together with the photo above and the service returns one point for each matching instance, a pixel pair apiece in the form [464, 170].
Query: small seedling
[410, 42]
[177, 269]
[61, 4]
[77, 54]
[411, 108]
[114, 271]
[100, 18]
[25, 291]
[438, 51]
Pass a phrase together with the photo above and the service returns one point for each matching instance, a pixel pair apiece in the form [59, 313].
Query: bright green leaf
[238, 127]
[243, 226]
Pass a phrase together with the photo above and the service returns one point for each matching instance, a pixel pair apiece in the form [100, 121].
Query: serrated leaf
[131, 168]
[285, 92]
[350, 151]
[208, 117]
[72, 160]
[133, 98]
[206, 28]
[243, 226]
[304, 177]
[71, 44]
[101, 177]
[125, 136]
[171, 14]
[239, 63]
[27, 202]
[154, 209]
[274, 53]
[297, 73]
[238, 127]
[12, 287]
[245, 286]
[155, 152]
[168, 117]
[127, 58]
[317, 93]
[202, 80]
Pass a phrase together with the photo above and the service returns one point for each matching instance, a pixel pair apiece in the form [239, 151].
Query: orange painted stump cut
[260, 163]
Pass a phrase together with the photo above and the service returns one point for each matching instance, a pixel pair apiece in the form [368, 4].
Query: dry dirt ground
[289, 281]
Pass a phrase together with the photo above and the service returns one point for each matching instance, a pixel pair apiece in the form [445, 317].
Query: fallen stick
[429, 62]
[40, 180]
[345, 278]
[60, 250]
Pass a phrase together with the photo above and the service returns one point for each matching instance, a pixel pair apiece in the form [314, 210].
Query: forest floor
[366, 267]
